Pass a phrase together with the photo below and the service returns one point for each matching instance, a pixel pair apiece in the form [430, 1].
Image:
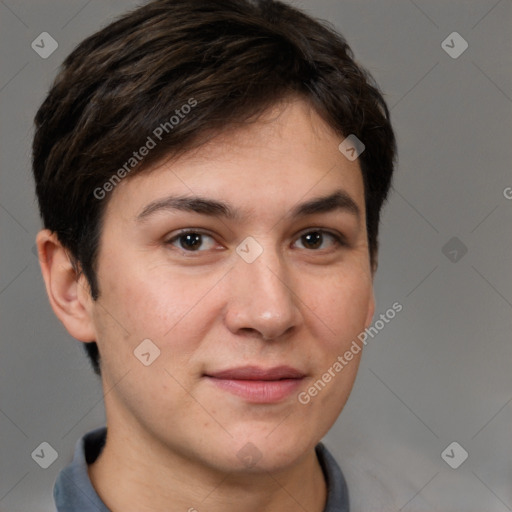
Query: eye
[193, 240]
[190, 240]
[315, 239]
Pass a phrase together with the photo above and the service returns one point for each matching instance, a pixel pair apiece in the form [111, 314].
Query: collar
[73, 491]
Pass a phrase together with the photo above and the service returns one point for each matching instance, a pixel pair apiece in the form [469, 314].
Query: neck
[142, 476]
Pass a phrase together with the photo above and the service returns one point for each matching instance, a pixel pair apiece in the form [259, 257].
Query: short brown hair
[234, 59]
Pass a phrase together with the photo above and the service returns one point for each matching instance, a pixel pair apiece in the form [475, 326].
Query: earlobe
[63, 285]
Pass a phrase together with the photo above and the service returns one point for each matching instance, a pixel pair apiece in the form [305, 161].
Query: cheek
[146, 305]
[343, 305]
[147, 299]
[158, 303]
[340, 316]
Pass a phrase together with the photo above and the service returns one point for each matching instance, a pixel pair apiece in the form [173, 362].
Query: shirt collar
[74, 492]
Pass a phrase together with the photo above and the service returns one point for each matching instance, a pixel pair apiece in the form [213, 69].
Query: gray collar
[73, 491]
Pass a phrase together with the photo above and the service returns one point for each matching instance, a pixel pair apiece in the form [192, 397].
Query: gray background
[438, 372]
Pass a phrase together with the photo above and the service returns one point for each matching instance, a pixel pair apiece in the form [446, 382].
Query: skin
[173, 437]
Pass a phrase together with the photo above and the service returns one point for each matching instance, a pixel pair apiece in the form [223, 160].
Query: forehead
[286, 156]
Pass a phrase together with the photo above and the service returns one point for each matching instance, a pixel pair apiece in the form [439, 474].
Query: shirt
[73, 491]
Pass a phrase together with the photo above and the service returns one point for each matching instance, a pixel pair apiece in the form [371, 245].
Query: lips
[257, 373]
[258, 385]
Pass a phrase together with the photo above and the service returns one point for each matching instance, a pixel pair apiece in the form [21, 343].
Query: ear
[67, 291]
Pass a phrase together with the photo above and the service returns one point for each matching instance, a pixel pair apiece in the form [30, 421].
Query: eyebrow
[339, 200]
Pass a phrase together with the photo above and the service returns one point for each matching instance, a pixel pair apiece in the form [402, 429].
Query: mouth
[258, 385]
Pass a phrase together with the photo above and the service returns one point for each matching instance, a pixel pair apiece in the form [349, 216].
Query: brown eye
[190, 241]
[314, 240]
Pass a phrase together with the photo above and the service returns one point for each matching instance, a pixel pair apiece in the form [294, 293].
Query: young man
[210, 176]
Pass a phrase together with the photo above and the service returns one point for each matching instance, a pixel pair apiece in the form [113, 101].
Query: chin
[268, 449]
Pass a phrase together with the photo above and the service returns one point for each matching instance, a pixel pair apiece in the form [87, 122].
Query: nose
[262, 299]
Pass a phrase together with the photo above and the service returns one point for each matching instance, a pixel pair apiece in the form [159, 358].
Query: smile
[258, 385]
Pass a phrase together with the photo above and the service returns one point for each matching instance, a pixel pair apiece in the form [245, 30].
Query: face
[246, 305]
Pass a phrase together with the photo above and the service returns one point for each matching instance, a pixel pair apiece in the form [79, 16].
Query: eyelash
[339, 240]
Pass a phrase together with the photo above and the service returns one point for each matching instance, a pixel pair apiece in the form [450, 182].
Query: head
[240, 105]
